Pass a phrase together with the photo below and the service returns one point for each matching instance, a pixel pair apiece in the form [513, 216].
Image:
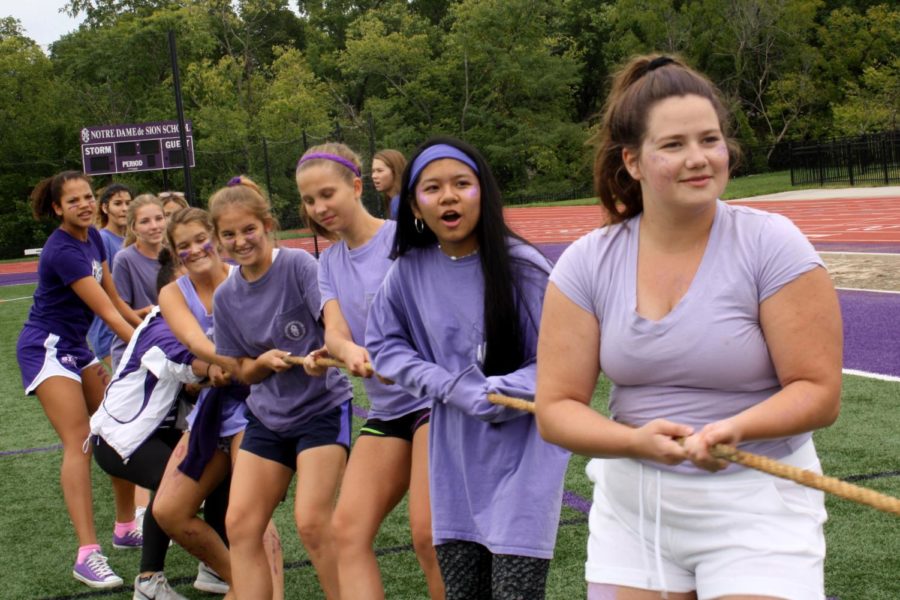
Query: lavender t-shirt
[279, 310]
[64, 260]
[352, 277]
[707, 359]
[233, 415]
[493, 479]
[135, 277]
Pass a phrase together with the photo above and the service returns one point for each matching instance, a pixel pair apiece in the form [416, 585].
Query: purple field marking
[31, 450]
[18, 278]
[871, 331]
[573, 500]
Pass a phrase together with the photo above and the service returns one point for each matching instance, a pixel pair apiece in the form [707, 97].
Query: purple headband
[332, 157]
[437, 152]
[236, 180]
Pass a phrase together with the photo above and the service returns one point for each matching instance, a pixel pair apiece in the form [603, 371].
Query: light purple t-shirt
[135, 277]
[493, 479]
[279, 310]
[707, 359]
[233, 416]
[64, 260]
[352, 277]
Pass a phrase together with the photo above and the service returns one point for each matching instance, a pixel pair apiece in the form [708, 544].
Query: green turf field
[37, 544]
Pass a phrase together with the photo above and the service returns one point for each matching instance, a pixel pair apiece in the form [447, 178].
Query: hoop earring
[420, 226]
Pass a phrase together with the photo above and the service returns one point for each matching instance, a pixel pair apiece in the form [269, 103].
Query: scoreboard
[138, 147]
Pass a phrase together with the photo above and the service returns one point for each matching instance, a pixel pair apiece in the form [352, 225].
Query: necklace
[455, 258]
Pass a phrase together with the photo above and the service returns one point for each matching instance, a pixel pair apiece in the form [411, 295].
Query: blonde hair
[342, 150]
[396, 162]
[243, 192]
[136, 204]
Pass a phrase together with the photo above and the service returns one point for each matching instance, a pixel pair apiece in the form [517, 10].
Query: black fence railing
[865, 159]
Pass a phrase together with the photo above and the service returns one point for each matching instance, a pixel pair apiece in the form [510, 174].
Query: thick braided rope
[832, 485]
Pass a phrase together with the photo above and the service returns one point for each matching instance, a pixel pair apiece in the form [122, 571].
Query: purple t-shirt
[279, 310]
[493, 479]
[64, 260]
[707, 359]
[352, 277]
[135, 277]
[233, 417]
[99, 335]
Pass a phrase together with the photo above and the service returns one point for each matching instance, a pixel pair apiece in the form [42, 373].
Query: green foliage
[522, 80]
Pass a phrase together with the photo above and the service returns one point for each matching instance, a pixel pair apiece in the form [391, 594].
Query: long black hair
[505, 350]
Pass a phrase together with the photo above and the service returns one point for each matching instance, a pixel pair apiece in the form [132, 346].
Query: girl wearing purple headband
[457, 319]
[391, 453]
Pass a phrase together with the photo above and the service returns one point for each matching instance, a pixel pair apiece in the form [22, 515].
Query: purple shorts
[42, 355]
[330, 427]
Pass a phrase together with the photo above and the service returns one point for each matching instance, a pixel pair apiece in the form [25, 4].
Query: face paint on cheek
[474, 192]
[184, 255]
[207, 247]
[422, 198]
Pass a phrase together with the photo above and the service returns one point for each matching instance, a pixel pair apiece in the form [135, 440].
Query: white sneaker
[209, 581]
[155, 588]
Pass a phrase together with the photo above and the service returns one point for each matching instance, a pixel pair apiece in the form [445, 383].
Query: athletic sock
[85, 551]
[123, 528]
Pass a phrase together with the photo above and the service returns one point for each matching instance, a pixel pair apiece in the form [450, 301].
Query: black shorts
[403, 427]
[330, 427]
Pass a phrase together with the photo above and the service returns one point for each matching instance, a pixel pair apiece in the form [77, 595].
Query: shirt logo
[294, 330]
[69, 360]
[97, 271]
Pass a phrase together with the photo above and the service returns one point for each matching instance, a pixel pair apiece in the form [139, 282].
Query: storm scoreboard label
[140, 147]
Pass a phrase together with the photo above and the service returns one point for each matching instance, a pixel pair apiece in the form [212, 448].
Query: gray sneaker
[209, 581]
[155, 588]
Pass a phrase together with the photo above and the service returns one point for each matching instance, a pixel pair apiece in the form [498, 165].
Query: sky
[41, 19]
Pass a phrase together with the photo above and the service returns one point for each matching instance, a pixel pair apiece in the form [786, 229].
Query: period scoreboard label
[139, 147]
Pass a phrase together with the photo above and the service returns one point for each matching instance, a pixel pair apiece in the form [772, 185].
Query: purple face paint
[184, 255]
[474, 192]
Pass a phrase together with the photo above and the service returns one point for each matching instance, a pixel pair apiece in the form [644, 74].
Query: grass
[37, 543]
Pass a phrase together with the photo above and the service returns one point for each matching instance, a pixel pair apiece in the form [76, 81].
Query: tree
[34, 115]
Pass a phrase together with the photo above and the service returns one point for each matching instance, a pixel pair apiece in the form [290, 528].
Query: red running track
[857, 221]
[864, 223]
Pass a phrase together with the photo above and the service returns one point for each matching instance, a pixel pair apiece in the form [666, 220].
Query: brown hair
[342, 150]
[137, 204]
[396, 162]
[244, 192]
[176, 197]
[185, 216]
[49, 192]
[106, 195]
[636, 88]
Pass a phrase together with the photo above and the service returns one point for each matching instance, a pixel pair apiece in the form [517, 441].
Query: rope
[824, 483]
[832, 485]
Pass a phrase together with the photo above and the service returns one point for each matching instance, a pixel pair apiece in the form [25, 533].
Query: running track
[871, 323]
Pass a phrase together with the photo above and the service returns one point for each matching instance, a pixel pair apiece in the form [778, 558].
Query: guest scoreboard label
[129, 148]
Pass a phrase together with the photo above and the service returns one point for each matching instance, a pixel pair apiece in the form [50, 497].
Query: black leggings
[145, 468]
[471, 572]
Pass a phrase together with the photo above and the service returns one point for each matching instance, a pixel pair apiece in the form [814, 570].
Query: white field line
[878, 376]
[848, 289]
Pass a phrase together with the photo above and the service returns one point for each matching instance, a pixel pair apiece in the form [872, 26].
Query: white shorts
[741, 533]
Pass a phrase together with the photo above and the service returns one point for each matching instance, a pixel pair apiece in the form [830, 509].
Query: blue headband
[332, 157]
[437, 152]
